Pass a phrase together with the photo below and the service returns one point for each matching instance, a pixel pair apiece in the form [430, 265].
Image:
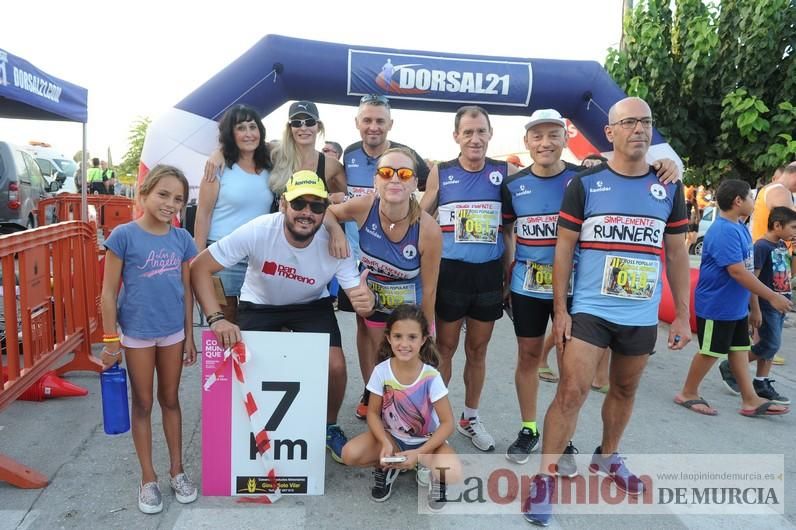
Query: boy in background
[773, 267]
[722, 304]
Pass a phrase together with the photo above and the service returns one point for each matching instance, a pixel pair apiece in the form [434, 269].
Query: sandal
[547, 374]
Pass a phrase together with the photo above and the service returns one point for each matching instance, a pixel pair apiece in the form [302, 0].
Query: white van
[58, 169]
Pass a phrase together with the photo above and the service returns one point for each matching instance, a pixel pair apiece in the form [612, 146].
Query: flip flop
[689, 404]
[764, 410]
[547, 374]
[601, 389]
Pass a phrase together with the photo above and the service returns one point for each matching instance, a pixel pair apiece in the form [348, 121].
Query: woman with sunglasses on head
[399, 244]
[241, 194]
[297, 152]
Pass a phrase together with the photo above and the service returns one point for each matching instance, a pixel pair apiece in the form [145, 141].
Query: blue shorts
[404, 446]
[770, 332]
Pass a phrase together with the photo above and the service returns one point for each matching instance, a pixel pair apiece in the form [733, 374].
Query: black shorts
[717, 338]
[531, 314]
[472, 290]
[343, 302]
[313, 317]
[624, 340]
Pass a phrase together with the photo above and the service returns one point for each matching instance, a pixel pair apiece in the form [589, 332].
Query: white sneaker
[184, 488]
[476, 432]
[422, 475]
[149, 498]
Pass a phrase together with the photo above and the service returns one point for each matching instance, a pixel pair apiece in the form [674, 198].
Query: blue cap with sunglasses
[303, 107]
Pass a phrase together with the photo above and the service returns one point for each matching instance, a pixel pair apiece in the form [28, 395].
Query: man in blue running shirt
[622, 218]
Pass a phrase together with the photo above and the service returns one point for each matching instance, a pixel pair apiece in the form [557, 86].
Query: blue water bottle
[115, 410]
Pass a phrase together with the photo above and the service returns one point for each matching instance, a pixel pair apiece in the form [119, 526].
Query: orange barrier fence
[55, 314]
[112, 210]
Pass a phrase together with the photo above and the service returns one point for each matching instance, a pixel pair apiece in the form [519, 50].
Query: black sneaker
[437, 495]
[727, 378]
[520, 450]
[382, 489]
[766, 390]
[567, 467]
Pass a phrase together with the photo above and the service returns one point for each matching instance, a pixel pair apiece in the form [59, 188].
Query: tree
[721, 81]
[132, 157]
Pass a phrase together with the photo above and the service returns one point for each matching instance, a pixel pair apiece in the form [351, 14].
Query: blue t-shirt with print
[718, 296]
[151, 302]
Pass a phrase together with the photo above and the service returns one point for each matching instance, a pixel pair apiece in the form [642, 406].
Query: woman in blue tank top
[400, 245]
[241, 194]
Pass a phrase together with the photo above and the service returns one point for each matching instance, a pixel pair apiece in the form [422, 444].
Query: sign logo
[3, 74]
[436, 78]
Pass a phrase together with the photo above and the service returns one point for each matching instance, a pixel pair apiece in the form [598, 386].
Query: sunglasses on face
[375, 99]
[404, 173]
[308, 122]
[317, 207]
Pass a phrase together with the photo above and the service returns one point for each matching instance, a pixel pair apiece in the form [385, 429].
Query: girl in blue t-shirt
[153, 312]
[409, 415]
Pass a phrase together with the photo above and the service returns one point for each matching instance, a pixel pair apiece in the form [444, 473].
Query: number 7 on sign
[291, 390]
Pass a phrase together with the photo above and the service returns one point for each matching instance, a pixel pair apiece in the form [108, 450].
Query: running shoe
[766, 391]
[335, 440]
[613, 466]
[184, 489]
[520, 450]
[538, 507]
[422, 475]
[383, 480]
[149, 498]
[476, 432]
[362, 406]
[728, 378]
[437, 496]
[567, 467]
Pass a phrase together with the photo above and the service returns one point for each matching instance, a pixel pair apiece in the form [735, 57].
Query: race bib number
[392, 295]
[631, 278]
[539, 279]
[476, 225]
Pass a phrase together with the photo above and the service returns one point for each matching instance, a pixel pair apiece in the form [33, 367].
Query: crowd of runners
[292, 234]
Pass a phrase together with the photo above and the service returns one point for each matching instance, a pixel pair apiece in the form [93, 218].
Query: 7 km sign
[287, 375]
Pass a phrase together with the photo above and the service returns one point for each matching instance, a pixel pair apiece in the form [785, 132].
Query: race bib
[359, 191]
[539, 279]
[393, 295]
[631, 278]
[476, 225]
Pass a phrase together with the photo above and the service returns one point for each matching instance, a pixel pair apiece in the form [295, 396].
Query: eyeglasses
[630, 123]
[308, 122]
[374, 99]
[404, 173]
[327, 150]
[315, 206]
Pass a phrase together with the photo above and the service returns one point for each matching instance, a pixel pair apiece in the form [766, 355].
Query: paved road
[94, 477]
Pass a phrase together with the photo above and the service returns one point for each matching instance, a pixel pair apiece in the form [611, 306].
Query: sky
[140, 58]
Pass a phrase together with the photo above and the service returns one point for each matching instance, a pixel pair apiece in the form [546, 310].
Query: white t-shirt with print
[407, 411]
[279, 273]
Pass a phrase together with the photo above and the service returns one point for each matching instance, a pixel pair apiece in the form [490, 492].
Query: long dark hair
[428, 351]
[226, 136]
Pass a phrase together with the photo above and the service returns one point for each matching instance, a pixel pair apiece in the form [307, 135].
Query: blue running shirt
[622, 221]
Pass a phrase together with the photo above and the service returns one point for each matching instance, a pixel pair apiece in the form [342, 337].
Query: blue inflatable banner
[430, 78]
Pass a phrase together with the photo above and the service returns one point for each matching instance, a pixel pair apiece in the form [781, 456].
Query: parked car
[21, 187]
[708, 216]
[57, 169]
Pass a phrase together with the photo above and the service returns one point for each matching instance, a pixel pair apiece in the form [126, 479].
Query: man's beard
[300, 237]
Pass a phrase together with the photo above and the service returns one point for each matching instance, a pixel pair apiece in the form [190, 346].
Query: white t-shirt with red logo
[279, 273]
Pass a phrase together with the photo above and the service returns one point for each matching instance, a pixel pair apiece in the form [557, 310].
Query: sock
[470, 413]
[760, 378]
[530, 425]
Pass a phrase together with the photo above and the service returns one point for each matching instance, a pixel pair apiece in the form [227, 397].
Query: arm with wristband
[111, 347]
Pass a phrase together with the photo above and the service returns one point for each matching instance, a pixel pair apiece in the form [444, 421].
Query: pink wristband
[432, 329]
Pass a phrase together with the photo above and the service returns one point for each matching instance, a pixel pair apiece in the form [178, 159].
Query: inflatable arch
[278, 69]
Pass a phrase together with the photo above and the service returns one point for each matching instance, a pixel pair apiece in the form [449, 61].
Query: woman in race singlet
[239, 195]
[400, 245]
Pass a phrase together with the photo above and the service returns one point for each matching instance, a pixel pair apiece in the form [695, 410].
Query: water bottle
[115, 410]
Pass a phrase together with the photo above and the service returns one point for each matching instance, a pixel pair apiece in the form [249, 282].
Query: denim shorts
[232, 277]
[770, 332]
